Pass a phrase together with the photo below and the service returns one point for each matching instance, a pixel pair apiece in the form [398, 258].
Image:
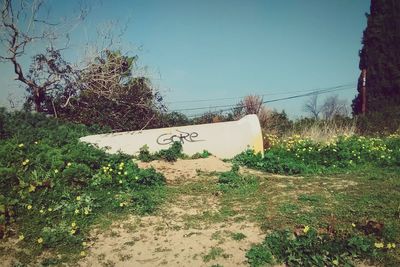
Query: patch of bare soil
[170, 238]
[186, 170]
[154, 241]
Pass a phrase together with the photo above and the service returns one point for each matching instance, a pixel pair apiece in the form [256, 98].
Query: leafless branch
[311, 106]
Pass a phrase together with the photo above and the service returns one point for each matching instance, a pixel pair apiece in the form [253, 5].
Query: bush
[380, 123]
[54, 187]
[309, 248]
[296, 155]
[171, 154]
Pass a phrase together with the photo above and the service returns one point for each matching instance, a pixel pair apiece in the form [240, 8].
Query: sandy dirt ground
[166, 239]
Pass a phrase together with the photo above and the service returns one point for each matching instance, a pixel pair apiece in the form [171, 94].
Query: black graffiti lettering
[167, 139]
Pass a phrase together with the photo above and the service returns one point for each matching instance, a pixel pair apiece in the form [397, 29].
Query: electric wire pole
[364, 92]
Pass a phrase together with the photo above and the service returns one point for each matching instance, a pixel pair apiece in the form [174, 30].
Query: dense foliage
[307, 247]
[380, 57]
[111, 95]
[54, 188]
[170, 154]
[296, 155]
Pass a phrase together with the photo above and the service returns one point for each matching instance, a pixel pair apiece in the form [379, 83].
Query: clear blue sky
[218, 49]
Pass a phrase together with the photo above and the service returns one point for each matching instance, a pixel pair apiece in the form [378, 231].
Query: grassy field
[335, 203]
[359, 207]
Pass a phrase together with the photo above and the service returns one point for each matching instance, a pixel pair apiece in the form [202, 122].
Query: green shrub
[233, 182]
[384, 122]
[170, 154]
[202, 155]
[298, 156]
[54, 188]
[309, 248]
[145, 155]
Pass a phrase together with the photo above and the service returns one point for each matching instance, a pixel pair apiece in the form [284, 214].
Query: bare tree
[311, 106]
[22, 25]
[333, 106]
[251, 104]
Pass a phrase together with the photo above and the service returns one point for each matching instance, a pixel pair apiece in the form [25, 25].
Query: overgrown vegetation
[326, 245]
[307, 247]
[296, 155]
[338, 219]
[170, 154]
[55, 188]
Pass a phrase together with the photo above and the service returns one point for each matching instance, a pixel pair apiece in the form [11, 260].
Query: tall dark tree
[380, 57]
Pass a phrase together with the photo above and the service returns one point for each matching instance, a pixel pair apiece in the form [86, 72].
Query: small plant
[145, 155]
[238, 236]
[202, 155]
[214, 253]
[171, 154]
[309, 248]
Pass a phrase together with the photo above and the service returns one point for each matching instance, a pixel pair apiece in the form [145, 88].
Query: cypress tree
[380, 57]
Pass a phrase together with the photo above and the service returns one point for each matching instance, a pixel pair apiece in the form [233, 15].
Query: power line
[273, 100]
[241, 97]
[326, 90]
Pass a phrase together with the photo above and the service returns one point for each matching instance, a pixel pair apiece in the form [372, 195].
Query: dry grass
[324, 131]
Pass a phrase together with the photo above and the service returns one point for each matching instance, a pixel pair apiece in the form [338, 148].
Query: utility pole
[364, 92]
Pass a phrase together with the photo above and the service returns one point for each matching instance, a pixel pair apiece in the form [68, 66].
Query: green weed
[309, 248]
[342, 154]
[213, 254]
[55, 188]
[238, 236]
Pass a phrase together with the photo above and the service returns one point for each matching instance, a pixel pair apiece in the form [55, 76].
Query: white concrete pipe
[222, 139]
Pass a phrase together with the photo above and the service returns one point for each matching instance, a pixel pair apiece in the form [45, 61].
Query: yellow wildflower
[353, 224]
[21, 145]
[121, 204]
[40, 240]
[21, 237]
[379, 245]
[119, 173]
[84, 243]
[25, 162]
[83, 253]
[50, 209]
[86, 211]
[76, 211]
[73, 224]
[125, 173]
[32, 188]
[73, 231]
[69, 164]
[41, 211]
[78, 198]
[120, 181]
[36, 142]
[335, 262]
[56, 171]
[306, 229]
[391, 245]
[29, 207]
